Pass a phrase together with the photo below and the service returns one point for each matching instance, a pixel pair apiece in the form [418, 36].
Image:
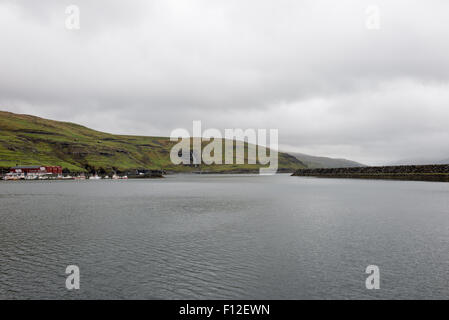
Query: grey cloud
[309, 68]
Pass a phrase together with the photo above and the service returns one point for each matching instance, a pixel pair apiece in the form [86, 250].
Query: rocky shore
[413, 172]
[147, 174]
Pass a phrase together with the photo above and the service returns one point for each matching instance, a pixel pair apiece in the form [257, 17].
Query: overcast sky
[311, 69]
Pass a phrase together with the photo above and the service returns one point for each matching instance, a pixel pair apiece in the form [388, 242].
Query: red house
[56, 170]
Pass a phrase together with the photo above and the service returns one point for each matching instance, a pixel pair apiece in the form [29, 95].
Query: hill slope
[30, 140]
[324, 162]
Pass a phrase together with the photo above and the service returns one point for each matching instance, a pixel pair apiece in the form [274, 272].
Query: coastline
[435, 173]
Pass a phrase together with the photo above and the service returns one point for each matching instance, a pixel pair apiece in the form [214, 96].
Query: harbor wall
[409, 172]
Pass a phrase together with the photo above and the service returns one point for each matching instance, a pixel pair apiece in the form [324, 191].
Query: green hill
[30, 140]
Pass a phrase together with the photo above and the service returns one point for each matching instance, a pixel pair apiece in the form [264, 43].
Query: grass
[29, 140]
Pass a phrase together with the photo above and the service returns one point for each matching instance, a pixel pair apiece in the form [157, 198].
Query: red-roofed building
[37, 170]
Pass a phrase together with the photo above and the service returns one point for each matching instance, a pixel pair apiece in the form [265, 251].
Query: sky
[363, 80]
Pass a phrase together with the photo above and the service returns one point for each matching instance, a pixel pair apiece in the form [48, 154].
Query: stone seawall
[417, 172]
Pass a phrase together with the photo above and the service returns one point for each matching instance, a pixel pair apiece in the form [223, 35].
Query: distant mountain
[29, 140]
[324, 162]
[419, 161]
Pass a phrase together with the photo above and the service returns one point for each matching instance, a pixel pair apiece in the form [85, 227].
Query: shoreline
[145, 177]
[433, 173]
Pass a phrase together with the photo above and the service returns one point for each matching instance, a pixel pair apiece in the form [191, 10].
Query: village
[51, 173]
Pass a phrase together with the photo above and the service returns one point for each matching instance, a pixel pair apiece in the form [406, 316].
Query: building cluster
[50, 172]
[33, 172]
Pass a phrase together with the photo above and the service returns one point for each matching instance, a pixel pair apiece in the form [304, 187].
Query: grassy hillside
[29, 140]
[324, 162]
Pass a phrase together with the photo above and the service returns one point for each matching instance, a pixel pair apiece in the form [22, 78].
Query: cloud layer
[309, 68]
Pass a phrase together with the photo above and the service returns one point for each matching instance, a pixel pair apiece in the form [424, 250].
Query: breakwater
[413, 172]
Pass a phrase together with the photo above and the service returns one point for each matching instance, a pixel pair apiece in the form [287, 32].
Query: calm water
[213, 237]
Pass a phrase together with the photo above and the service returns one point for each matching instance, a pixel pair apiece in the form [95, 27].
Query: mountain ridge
[419, 161]
[31, 140]
[325, 162]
